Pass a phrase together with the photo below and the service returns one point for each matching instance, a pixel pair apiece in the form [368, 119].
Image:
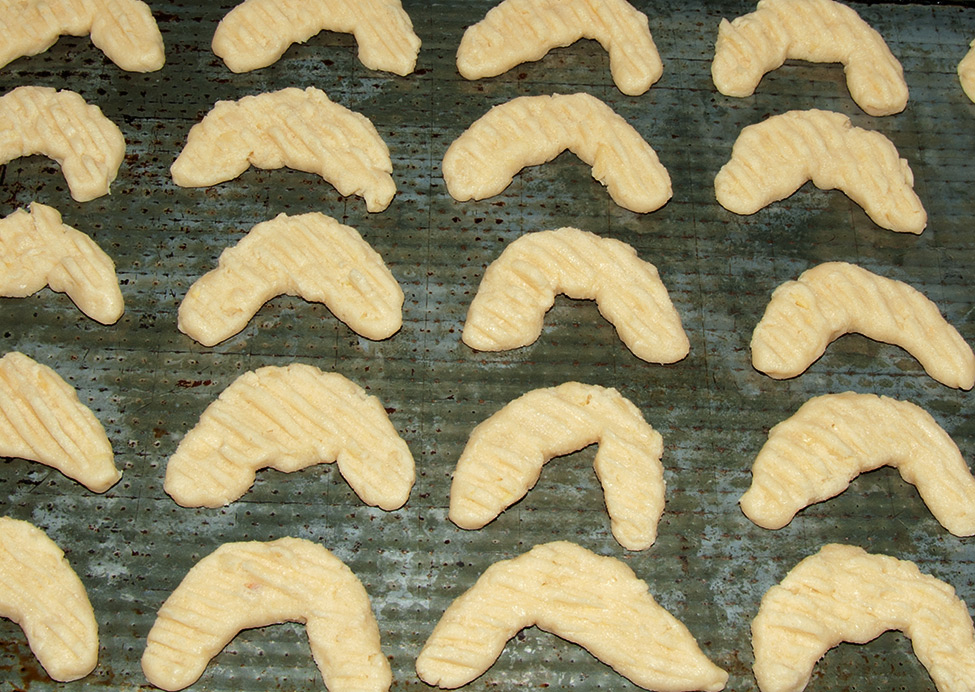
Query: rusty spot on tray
[189, 384]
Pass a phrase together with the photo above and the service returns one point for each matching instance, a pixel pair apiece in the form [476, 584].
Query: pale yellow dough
[520, 286]
[44, 421]
[966, 72]
[289, 418]
[517, 31]
[814, 454]
[590, 600]
[772, 159]
[835, 298]
[123, 29]
[844, 594]
[531, 130]
[298, 128]
[256, 33]
[504, 456]
[812, 30]
[63, 126]
[38, 249]
[255, 584]
[309, 255]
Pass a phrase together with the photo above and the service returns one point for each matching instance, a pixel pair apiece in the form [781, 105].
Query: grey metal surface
[148, 383]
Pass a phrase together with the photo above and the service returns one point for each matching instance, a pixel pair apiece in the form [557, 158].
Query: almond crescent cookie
[844, 594]
[122, 29]
[297, 128]
[812, 30]
[517, 31]
[256, 33]
[520, 286]
[813, 455]
[966, 72]
[62, 126]
[42, 593]
[37, 249]
[504, 456]
[531, 130]
[835, 298]
[44, 421]
[289, 418]
[255, 584]
[772, 159]
[594, 601]
[310, 255]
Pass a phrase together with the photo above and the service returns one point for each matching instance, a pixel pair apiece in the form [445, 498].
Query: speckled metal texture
[710, 565]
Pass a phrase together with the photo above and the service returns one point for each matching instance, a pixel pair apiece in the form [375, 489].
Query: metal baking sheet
[148, 383]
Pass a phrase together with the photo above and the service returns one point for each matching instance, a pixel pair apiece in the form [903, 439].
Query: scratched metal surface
[148, 383]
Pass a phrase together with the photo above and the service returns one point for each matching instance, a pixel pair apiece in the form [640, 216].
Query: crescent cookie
[504, 456]
[42, 593]
[813, 455]
[255, 584]
[517, 31]
[289, 418]
[966, 72]
[310, 255]
[256, 33]
[835, 298]
[531, 130]
[44, 421]
[64, 127]
[772, 159]
[123, 29]
[520, 286]
[37, 249]
[594, 601]
[813, 30]
[844, 594]
[298, 128]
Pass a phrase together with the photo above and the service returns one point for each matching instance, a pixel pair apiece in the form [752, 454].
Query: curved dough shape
[772, 159]
[122, 29]
[256, 33]
[587, 599]
[310, 255]
[504, 456]
[37, 249]
[517, 31]
[62, 126]
[813, 455]
[255, 584]
[42, 593]
[298, 128]
[844, 594]
[44, 421]
[813, 30]
[966, 72]
[289, 418]
[835, 298]
[520, 286]
[531, 130]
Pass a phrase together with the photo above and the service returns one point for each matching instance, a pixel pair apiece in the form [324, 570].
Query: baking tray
[148, 383]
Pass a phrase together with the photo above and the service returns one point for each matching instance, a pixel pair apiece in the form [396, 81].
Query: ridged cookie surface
[254, 584]
[520, 286]
[772, 159]
[590, 600]
[38, 249]
[835, 298]
[41, 592]
[288, 418]
[531, 130]
[966, 72]
[815, 453]
[298, 128]
[813, 30]
[308, 255]
[63, 126]
[517, 31]
[844, 594]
